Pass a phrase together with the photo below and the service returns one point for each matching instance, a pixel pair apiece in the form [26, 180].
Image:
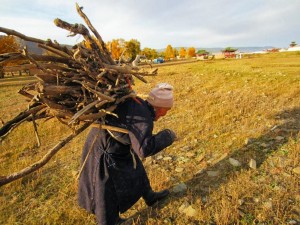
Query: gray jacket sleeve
[163, 139]
[152, 144]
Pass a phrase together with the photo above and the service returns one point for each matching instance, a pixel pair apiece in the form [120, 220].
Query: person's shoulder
[135, 101]
[131, 104]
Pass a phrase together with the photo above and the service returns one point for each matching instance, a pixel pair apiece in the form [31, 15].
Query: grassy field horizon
[236, 160]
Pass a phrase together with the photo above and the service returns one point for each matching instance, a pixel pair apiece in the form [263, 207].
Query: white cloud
[159, 23]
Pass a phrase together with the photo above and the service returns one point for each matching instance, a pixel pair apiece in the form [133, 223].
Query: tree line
[120, 49]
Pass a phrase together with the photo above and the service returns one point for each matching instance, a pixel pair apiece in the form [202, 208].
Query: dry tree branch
[99, 38]
[17, 175]
[20, 35]
[81, 29]
[55, 51]
[43, 58]
[83, 110]
[21, 117]
[36, 131]
[36, 40]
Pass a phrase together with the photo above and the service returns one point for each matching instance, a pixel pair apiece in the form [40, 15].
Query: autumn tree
[87, 44]
[182, 53]
[149, 53]
[127, 50]
[133, 48]
[169, 52]
[191, 52]
[162, 54]
[116, 47]
[121, 48]
[176, 53]
[7, 44]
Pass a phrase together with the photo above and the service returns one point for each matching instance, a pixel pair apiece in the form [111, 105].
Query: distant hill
[31, 46]
[34, 48]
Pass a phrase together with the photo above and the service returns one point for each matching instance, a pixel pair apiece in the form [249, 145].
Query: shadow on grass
[256, 148]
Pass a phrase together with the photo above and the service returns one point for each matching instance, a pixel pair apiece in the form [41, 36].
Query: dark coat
[114, 178]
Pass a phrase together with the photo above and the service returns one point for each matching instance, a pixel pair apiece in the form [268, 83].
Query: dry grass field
[226, 114]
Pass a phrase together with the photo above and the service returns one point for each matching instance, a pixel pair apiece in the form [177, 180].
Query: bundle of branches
[77, 84]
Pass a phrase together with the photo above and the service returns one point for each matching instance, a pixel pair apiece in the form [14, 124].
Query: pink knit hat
[161, 96]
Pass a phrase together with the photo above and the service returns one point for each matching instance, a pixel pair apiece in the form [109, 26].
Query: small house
[294, 48]
[229, 52]
[202, 54]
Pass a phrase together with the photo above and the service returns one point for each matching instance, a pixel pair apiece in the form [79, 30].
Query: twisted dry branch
[7, 179]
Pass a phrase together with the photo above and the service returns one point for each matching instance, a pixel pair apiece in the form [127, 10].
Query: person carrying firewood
[113, 177]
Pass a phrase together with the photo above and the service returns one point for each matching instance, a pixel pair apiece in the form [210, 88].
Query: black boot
[152, 197]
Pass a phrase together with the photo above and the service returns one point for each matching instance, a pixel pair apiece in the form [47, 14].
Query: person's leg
[108, 207]
[150, 196]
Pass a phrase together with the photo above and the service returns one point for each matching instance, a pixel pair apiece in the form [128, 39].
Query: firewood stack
[78, 84]
[74, 85]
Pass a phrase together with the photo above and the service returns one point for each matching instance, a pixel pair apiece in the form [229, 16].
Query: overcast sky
[155, 24]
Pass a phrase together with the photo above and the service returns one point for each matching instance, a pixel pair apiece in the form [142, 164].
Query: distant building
[294, 48]
[229, 52]
[273, 50]
[202, 54]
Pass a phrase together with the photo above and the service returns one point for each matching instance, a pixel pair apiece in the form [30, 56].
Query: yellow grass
[242, 109]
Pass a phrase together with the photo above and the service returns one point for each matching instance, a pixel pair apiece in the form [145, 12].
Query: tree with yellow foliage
[116, 47]
[128, 50]
[191, 52]
[149, 53]
[176, 53]
[7, 44]
[133, 48]
[169, 54]
[182, 53]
